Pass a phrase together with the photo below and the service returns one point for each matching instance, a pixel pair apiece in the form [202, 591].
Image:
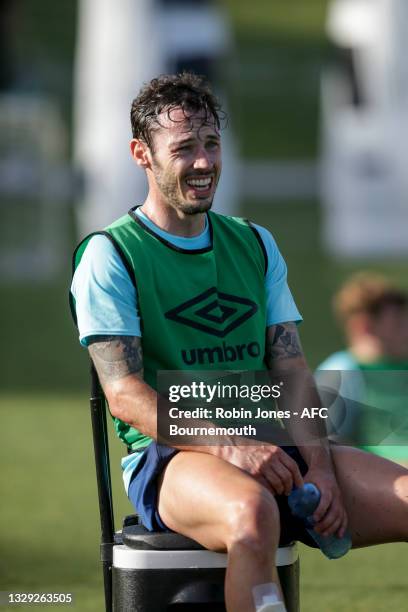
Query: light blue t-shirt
[341, 360]
[106, 300]
[348, 382]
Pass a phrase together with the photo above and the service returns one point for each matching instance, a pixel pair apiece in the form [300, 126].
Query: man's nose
[203, 160]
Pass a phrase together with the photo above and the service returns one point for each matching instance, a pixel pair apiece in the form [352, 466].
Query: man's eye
[212, 145]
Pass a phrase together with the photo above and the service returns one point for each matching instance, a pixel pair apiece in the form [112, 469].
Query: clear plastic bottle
[303, 501]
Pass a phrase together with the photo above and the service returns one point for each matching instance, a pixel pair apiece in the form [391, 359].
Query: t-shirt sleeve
[280, 305]
[105, 297]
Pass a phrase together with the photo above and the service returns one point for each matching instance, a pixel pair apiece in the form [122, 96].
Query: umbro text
[221, 354]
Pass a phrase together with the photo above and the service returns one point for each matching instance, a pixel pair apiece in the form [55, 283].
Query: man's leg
[375, 493]
[224, 509]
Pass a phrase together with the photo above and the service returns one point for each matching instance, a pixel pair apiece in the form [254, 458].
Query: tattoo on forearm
[284, 344]
[116, 356]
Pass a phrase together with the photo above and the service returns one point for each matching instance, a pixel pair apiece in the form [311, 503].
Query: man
[229, 498]
[373, 315]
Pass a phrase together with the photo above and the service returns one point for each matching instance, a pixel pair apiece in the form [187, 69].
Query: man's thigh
[198, 492]
[375, 493]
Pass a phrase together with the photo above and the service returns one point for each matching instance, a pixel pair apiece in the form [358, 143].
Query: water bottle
[303, 501]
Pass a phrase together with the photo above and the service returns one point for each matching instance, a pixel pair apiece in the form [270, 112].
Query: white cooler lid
[129, 558]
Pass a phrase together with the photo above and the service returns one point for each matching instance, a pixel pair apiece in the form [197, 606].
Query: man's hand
[330, 515]
[268, 464]
[284, 355]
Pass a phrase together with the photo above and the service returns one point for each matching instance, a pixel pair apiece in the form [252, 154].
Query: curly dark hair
[189, 91]
[368, 293]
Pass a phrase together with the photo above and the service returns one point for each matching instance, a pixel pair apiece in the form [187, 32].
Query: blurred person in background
[373, 314]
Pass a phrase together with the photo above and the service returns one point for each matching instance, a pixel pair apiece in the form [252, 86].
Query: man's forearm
[119, 363]
[133, 401]
[308, 432]
[285, 360]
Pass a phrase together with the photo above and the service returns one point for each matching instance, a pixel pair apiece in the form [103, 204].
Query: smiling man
[183, 163]
[174, 286]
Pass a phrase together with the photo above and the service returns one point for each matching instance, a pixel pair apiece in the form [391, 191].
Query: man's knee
[252, 520]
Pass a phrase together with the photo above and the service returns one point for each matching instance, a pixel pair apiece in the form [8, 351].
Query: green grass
[40, 346]
[274, 99]
[49, 521]
[302, 19]
[274, 76]
[371, 579]
[49, 513]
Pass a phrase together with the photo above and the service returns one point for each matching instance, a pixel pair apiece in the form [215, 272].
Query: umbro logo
[213, 312]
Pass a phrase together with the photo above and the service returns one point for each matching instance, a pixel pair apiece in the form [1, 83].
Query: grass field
[274, 76]
[49, 518]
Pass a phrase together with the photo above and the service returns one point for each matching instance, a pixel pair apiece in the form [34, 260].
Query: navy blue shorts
[143, 490]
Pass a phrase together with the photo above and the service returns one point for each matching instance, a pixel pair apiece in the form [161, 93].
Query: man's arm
[284, 357]
[119, 363]
[283, 346]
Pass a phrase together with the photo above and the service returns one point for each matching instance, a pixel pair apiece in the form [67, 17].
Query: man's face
[391, 327]
[186, 160]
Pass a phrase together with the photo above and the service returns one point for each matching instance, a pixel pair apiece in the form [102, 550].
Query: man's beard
[168, 185]
[201, 206]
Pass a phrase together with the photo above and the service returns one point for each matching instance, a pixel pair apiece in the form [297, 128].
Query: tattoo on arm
[282, 342]
[116, 356]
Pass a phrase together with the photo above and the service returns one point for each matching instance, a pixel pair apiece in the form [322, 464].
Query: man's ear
[140, 153]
